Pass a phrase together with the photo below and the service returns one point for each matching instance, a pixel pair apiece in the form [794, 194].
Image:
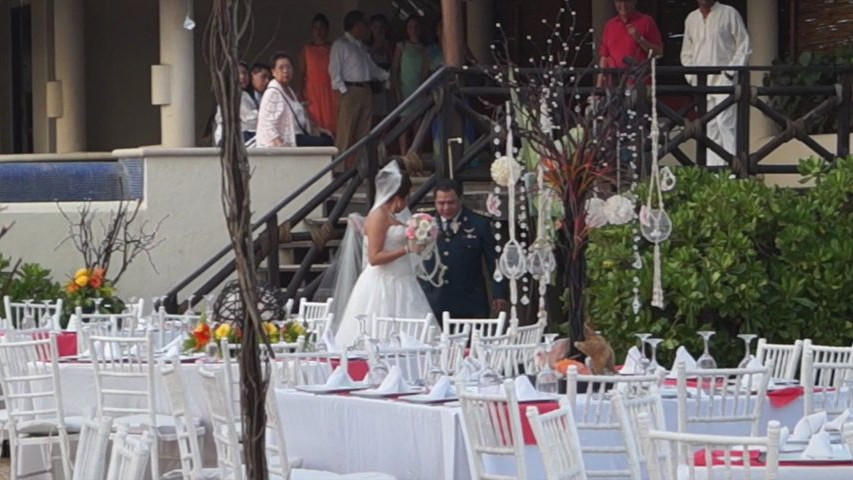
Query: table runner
[756, 460]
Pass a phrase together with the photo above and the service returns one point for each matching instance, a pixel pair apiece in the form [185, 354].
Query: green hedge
[743, 258]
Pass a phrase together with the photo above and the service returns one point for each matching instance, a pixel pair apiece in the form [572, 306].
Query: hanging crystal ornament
[512, 263]
[667, 179]
[655, 224]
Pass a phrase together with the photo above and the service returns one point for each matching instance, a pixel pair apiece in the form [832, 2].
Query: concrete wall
[182, 190]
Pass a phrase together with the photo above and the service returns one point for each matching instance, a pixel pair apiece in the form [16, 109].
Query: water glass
[706, 361]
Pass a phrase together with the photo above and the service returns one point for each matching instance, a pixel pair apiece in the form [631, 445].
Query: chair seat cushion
[45, 426]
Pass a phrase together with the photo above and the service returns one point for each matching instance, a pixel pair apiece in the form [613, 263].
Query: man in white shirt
[351, 70]
[715, 35]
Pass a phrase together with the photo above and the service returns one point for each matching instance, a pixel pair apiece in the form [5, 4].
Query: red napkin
[784, 396]
[543, 407]
[754, 460]
[357, 369]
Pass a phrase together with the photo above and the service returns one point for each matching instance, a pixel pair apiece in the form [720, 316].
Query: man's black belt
[357, 84]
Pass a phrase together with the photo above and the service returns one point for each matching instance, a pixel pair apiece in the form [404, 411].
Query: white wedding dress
[389, 290]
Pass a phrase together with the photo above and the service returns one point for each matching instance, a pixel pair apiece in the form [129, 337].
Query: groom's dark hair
[448, 185]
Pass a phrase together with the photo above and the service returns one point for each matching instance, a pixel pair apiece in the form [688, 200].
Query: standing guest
[248, 109]
[464, 243]
[316, 83]
[714, 35]
[382, 54]
[351, 70]
[410, 67]
[261, 76]
[630, 34]
[282, 120]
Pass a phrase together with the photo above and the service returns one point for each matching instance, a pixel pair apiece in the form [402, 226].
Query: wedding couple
[386, 283]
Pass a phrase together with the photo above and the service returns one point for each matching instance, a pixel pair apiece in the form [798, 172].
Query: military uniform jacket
[463, 247]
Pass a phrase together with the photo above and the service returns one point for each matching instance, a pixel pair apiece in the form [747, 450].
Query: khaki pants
[354, 115]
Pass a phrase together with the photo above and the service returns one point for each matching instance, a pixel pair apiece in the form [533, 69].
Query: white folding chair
[413, 362]
[527, 335]
[493, 427]
[129, 458]
[847, 434]
[721, 396]
[483, 346]
[515, 359]
[416, 328]
[189, 447]
[29, 372]
[314, 311]
[485, 327]
[596, 414]
[558, 442]
[683, 455]
[288, 308]
[826, 354]
[91, 459]
[453, 350]
[125, 385]
[786, 358]
[826, 386]
[168, 326]
[33, 314]
[628, 410]
[302, 368]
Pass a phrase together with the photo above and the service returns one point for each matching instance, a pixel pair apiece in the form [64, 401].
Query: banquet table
[413, 441]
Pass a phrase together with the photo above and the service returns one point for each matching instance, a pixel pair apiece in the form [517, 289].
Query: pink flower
[410, 232]
[493, 205]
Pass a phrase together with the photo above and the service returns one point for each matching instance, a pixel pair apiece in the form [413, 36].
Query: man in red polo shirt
[628, 34]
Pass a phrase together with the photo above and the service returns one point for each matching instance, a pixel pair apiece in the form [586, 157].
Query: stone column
[480, 29]
[602, 11]
[177, 118]
[69, 69]
[764, 41]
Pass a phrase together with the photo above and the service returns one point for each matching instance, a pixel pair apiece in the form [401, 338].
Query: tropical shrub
[26, 281]
[743, 258]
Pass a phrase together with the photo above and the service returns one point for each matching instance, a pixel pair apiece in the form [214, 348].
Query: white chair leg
[65, 451]
[155, 454]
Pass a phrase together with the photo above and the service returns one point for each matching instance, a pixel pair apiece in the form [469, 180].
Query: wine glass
[211, 352]
[706, 361]
[546, 379]
[645, 363]
[394, 339]
[377, 368]
[488, 380]
[435, 371]
[208, 301]
[653, 364]
[747, 339]
[190, 309]
[362, 342]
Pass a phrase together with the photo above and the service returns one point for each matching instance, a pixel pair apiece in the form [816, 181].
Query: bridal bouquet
[421, 229]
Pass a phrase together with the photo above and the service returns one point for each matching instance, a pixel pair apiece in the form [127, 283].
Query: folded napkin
[682, 355]
[329, 341]
[393, 382]
[524, 390]
[819, 447]
[173, 348]
[113, 352]
[836, 424]
[808, 426]
[72, 324]
[753, 382]
[784, 435]
[633, 364]
[442, 389]
[408, 341]
[339, 378]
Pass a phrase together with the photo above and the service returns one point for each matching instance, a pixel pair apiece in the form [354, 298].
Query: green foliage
[28, 281]
[795, 106]
[743, 258]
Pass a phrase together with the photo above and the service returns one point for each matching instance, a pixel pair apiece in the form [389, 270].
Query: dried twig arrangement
[119, 239]
[229, 21]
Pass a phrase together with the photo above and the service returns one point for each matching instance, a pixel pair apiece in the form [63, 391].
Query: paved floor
[4, 469]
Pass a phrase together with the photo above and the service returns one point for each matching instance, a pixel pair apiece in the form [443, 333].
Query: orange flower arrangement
[87, 284]
[562, 367]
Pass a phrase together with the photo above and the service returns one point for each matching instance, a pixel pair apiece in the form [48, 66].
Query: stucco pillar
[70, 70]
[177, 118]
[764, 41]
[602, 11]
[480, 29]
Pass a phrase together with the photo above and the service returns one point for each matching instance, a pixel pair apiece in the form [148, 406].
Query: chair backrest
[417, 328]
[124, 368]
[185, 431]
[826, 386]
[276, 445]
[129, 458]
[223, 424]
[105, 325]
[682, 455]
[515, 359]
[453, 350]
[90, 462]
[493, 426]
[827, 354]
[413, 362]
[28, 315]
[527, 335]
[847, 435]
[786, 358]
[720, 396]
[481, 344]
[314, 311]
[29, 372]
[628, 410]
[485, 327]
[558, 442]
[231, 373]
[302, 368]
[288, 308]
[595, 413]
[168, 326]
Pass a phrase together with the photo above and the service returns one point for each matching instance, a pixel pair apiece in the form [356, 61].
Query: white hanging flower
[619, 210]
[493, 205]
[504, 170]
[595, 216]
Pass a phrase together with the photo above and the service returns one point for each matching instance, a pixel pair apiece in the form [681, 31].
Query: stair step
[334, 242]
[317, 267]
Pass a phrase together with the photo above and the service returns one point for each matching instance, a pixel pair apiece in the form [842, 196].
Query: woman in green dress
[410, 67]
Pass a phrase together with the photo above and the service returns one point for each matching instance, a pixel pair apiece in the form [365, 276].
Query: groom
[465, 240]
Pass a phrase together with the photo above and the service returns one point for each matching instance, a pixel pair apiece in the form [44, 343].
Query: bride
[387, 286]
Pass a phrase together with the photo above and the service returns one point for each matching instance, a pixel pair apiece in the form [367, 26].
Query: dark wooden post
[446, 118]
[452, 30]
[372, 169]
[701, 110]
[744, 92]
[844, 115]
[273, 274]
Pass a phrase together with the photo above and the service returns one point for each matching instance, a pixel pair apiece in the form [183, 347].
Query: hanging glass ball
[655, 224]
[512, 262]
